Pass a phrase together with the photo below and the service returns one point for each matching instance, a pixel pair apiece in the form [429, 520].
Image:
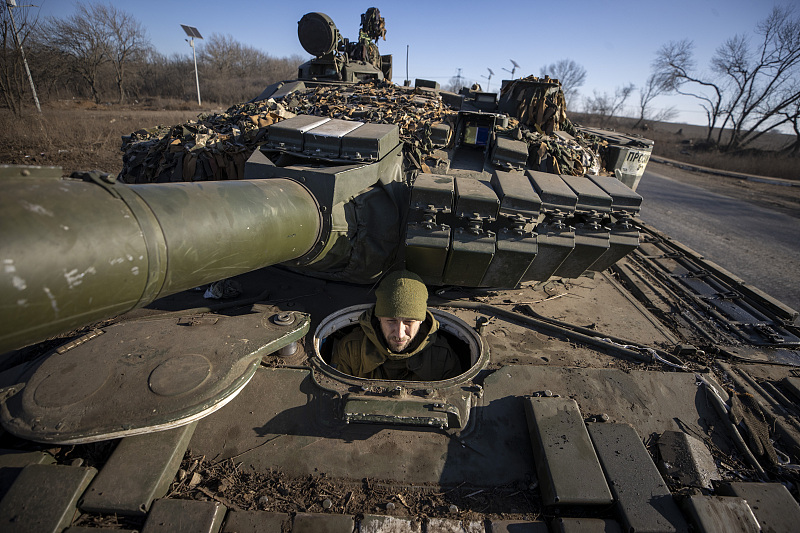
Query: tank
[167, 344]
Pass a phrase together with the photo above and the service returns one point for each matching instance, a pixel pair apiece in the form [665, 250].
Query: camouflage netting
[541, 110]
[216, 146]
[576, 156]
[537, 103]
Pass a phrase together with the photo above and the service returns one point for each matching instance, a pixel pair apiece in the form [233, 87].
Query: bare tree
[224, 54]
[101, 49]
[653, 87]
[233, 72]
[606, 106]
[748, 86]
[220, 53]
[95, 35]
[127, 42]
[675, 66]
[81, 39]
[571, 75]
[14, 85]
[167, 77]
[791, 115]
[758, 77]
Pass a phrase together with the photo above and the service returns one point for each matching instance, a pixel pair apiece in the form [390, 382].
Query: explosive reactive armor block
[288, 135]
[555, 194]
[591, 243]
[428, 241]
[509, 154]
[590, 196]
[473, 246]
[622, 197]
[555, 242]
[370, 142]
[516, 243]
[325, 140]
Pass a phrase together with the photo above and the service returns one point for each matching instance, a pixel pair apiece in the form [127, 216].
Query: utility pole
[10, 4]
[192, 32]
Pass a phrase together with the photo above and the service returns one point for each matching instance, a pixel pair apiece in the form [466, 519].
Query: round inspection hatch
[179, 375]
[67, 381]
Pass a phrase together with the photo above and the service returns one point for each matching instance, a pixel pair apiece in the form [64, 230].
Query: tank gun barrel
[78, 251]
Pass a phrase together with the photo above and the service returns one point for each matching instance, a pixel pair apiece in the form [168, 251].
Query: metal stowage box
[370, 142]
[288, 135]
[326, 140]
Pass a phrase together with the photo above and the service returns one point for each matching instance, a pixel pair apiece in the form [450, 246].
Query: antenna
[12, 4]
[192, 32]
[407, 81]
[514, 69]
[489, 78]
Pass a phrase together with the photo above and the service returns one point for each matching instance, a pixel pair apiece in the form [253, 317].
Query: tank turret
[329, 197]
[465, 190]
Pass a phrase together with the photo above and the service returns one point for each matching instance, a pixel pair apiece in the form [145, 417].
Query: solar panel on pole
[191, 31]
[193, 34]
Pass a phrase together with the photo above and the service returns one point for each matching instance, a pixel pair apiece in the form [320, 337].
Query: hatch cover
[143, 376]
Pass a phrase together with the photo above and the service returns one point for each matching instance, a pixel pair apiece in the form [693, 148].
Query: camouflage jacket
[363, 353]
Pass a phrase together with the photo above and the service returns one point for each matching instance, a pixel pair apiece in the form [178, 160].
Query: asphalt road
[760, 246]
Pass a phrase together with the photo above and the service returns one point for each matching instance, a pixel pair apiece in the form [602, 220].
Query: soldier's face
[399, 332]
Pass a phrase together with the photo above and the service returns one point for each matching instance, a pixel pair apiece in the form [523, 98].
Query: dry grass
[78, 136]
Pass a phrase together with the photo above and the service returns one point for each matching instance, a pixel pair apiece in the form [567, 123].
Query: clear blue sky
[615, 41]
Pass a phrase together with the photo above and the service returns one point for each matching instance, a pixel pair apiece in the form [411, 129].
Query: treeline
[103, 53]
[751, 87]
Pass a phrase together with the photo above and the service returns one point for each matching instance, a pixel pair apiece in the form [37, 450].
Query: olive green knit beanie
[401, 294]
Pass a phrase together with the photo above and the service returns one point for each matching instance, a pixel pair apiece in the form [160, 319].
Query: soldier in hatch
[398, 338]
